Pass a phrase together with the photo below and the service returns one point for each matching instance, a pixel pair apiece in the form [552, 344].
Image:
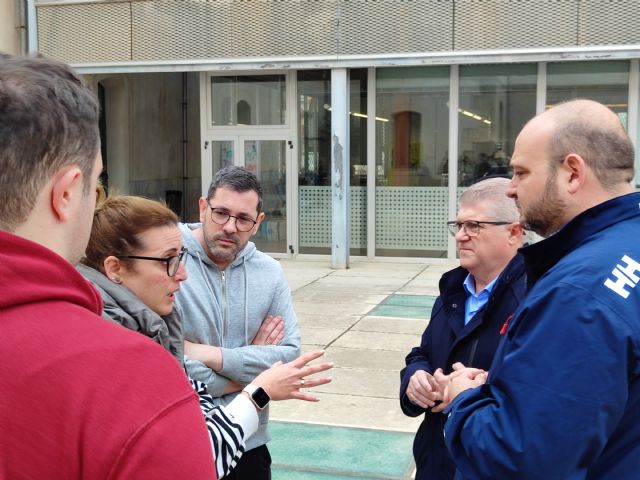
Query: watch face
[260, 397]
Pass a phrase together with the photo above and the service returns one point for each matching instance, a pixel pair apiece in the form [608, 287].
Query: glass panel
[314, 181]
[412, 135]
[495, 103]
[221, 154]
[604, 82]
[314, 161]
[248, 100]
[268, 160]
[358, 149]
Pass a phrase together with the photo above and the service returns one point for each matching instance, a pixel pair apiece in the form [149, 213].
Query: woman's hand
[284, 381]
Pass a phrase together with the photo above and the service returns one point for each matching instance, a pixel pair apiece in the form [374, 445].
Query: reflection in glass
[221, 154]
[604, 82]
[248, 100]
[412, 135]
[267, 159]
[495, 103]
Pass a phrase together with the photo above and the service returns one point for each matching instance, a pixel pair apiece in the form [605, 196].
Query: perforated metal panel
[411, 218]
[315, 217]
[232, 29]
[608, 22]
[395, 26]
[505, 24]
[85, 32]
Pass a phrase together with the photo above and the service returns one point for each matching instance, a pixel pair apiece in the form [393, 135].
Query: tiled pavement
[367, 318]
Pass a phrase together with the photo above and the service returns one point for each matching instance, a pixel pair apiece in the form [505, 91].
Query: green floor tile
[282, 474]
[407, 306]
[338, 452]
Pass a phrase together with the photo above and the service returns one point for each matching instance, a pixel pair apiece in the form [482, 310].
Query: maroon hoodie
[81, 397]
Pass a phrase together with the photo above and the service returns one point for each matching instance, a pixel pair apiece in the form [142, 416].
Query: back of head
[118, 222]
[594, 132]
[48, 119]
[237, 179]
[492, 192]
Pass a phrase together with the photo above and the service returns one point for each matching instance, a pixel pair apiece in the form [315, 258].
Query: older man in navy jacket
[469, 317]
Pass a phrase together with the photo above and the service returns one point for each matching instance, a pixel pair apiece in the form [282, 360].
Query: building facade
[364, 119]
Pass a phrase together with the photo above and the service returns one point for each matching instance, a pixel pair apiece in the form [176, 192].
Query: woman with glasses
[135, 259]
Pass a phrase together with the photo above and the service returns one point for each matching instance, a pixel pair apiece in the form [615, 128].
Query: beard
[543, 216]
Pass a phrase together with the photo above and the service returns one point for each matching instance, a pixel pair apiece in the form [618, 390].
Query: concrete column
[340, 168]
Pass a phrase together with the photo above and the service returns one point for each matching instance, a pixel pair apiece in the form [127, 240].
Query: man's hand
[271, 331]
[284, 381]
[461, 379]
[423, 390]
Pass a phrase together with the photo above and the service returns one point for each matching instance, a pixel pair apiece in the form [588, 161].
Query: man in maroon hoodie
[79, 397]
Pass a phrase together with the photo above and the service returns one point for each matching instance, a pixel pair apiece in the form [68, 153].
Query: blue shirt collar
[470, 287]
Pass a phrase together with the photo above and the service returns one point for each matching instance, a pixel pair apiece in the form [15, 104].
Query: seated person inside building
[135, 260]
[468, 318]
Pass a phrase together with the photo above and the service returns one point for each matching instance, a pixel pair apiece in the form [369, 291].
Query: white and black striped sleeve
[228, 426]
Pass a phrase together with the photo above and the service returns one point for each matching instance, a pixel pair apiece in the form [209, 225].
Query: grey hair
[493, 191]
[237, 179]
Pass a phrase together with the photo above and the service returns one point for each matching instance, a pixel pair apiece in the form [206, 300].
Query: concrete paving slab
[377, 341]
[330, 309]
[410, 326]
[320, 320]
[362, 382]
[319, 336]
[363, 359]
[348, 411]
[308, 295]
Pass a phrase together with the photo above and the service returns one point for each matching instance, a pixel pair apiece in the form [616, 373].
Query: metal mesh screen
[395, 26]
[505, 24]
[219, 29]
[85, 32]
[231, 28]
[607, 22]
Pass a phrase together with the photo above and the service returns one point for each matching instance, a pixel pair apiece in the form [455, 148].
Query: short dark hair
[48, 119]
[238, 179]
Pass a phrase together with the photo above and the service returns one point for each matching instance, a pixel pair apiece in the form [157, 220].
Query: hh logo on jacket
[625, 276]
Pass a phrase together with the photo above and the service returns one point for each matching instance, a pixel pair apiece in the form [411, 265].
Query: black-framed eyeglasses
[172, 261]
[221, 217]
[471, 227]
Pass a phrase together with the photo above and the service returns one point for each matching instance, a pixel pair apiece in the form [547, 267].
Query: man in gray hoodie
[232, 288]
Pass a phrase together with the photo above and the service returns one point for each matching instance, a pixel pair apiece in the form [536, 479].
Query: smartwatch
[258, 396]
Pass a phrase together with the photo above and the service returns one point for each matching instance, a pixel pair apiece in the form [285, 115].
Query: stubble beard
[220, 254]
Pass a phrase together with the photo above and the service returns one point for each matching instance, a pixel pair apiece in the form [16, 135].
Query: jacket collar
[542, 256]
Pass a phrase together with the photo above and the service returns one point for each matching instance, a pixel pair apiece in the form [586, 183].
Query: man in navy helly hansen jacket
[562, 399]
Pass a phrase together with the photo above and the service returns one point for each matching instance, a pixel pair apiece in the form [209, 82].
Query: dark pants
[253, 465]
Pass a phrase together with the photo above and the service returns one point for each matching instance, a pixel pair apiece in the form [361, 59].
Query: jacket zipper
[225, 308]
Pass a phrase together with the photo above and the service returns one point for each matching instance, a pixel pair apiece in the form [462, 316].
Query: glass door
[268, 160]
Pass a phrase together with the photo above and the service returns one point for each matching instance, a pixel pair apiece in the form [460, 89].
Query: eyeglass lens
[173, 263]
[243, 224]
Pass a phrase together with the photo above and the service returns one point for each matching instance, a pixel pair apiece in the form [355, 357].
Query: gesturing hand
[283, 381]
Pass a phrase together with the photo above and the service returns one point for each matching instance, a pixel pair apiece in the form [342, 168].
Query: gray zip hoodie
[226, 308]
